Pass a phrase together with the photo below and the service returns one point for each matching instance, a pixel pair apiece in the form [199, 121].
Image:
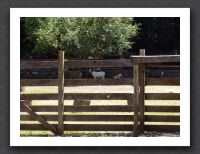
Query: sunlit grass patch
[36, 133]
[101, 89]
[162, 102]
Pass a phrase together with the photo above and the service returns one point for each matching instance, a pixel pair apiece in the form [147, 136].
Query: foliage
[78, 37]
[99, 37]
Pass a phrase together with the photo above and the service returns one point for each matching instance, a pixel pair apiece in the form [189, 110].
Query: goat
[98, 74]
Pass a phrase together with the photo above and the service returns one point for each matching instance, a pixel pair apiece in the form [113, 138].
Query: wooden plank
[38, 82]
[162, 108]
[61, 92]
[49, 96]
[100, 96]
[130, 102]
[83, 118]
[98, 63]
[90, 82]
[162, 81]
[81, 108]
[44, 124]
[163, 65]
[142, 92]
[155, 59]
[162, 96]
[110, 63]
[163, 128]
[25, 102]
[104, 127]
[141, 97]
[103, 108]
[30, 64]
[161, 118]
[148, 118]
[82, 127]
[75, 82]
[73, 96]
[136, 97]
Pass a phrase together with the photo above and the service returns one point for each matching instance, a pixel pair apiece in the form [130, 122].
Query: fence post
[60, 92]
[136, 97]
[142, 92]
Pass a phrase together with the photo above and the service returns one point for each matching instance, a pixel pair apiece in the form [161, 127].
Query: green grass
[101, 89]
[98, 134]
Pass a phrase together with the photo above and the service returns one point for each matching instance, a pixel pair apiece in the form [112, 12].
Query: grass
[103, 89]
[99, 134]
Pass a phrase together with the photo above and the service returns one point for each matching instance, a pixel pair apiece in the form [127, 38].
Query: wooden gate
[135, 98]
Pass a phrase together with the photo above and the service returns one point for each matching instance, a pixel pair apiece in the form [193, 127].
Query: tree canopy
[79, 37]
[98, 37]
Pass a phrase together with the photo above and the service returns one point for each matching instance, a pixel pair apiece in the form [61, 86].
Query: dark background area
[158, 36]
[5, 64]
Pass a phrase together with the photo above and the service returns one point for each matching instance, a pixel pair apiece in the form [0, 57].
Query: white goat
[98, 74]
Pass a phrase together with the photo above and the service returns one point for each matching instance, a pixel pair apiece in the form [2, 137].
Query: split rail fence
[135, 99]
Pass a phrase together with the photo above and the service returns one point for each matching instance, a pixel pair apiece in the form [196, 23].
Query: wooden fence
[135, 99]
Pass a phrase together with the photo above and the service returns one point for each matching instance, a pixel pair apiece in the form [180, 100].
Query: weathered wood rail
[89, 82]
[135, 108]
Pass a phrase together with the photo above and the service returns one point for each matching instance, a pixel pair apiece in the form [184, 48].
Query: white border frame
[16, 140]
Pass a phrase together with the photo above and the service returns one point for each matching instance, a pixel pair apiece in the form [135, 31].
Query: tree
[79, 37]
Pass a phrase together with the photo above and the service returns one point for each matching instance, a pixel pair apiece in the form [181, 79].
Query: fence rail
[111, 63]
[105, 127]
[136, 112]
[89, 82]
[126, 118]
[155, 59]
